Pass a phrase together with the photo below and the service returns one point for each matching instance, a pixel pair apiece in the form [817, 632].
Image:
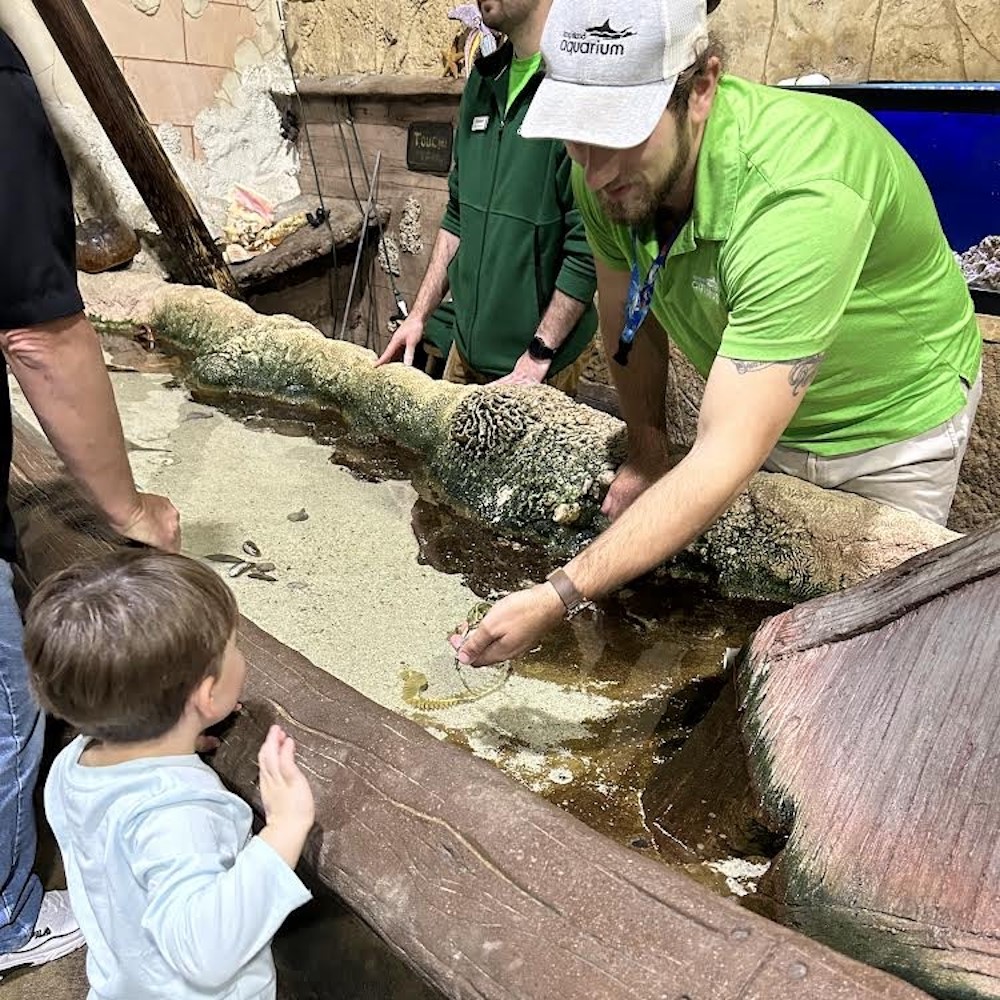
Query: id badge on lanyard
[640, 296]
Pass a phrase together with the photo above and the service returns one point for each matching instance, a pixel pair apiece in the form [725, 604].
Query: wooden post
[77, 38]
[872, 717]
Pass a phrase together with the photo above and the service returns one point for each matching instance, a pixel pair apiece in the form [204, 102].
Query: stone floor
[62, 980]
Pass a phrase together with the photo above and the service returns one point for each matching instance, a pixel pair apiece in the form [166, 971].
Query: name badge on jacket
[480, 122]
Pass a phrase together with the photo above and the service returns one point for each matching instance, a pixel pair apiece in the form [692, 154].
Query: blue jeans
[22, 733]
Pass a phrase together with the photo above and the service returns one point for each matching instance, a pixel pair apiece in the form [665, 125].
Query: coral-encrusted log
[525, 460]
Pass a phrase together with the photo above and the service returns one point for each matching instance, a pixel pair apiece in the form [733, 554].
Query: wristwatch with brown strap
[571, 597]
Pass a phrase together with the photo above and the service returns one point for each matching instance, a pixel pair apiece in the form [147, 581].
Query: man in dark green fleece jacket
[511, 247]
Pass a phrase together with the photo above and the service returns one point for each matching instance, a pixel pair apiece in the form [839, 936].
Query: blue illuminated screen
[958, 153]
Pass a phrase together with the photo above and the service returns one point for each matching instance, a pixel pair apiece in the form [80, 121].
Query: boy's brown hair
[118, 644]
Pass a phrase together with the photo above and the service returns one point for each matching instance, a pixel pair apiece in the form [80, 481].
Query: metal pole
[361, 245]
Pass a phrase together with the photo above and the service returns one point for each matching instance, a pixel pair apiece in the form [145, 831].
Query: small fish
[224, 557]
[265, 567]
[240, 568]
[251, 549]
[299, 515]
[257, 575]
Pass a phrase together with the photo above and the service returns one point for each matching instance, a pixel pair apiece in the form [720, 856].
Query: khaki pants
[918, 475]
[567, 380]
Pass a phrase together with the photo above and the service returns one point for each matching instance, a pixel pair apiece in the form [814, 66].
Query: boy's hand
[289, 808]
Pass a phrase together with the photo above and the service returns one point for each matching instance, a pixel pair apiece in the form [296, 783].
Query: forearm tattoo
[801, 370]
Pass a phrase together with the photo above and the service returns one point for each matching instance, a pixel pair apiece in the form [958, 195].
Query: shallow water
[649, 658]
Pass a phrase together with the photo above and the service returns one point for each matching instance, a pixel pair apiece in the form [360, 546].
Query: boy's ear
[201, 697]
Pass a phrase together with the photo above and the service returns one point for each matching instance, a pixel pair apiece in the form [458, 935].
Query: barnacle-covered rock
[787, 540]
[411, 238]
[567, 513]
[526, 460]
[977, 500]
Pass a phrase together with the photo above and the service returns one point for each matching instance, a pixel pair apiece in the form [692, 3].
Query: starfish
[452, 59]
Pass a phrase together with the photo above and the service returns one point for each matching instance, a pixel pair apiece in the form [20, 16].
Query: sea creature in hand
[479, 39]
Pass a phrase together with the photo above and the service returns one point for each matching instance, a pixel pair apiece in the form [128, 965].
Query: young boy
[175, 898]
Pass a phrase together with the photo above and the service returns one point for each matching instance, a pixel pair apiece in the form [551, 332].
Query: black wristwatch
[539, 350]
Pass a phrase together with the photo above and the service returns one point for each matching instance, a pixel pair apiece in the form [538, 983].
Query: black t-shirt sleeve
[37, 230]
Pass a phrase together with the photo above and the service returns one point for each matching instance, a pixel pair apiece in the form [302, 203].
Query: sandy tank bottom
[579, 719]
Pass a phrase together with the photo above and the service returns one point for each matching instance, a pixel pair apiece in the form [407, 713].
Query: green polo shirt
[813, 231]
[521, 71]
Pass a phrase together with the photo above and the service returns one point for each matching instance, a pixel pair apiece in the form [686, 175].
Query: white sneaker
[56, 934]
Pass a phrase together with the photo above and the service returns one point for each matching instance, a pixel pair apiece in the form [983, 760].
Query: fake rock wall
[767, 39]
[202, 72]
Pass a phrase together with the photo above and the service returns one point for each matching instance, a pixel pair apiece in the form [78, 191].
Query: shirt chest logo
[480, 123]
[706, 286]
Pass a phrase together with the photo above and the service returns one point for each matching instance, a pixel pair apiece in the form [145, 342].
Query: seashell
[299, 515]
[251, 549]
[240, 568]
[257, 575]
[566, 513]
[265, 567]
[224, 557]
[561, 775]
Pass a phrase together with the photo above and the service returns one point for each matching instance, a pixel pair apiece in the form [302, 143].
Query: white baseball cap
[610, 68]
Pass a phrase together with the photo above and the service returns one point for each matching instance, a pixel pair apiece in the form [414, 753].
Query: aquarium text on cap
[610, 68]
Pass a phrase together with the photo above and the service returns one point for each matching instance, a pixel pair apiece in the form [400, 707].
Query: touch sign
[429, 146]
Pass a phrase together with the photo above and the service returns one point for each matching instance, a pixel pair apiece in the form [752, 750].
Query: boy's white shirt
[175, 898]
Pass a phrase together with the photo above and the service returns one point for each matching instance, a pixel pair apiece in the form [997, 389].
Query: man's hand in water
[512, 627]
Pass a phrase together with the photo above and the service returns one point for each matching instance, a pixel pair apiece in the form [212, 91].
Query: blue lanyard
[640, 296]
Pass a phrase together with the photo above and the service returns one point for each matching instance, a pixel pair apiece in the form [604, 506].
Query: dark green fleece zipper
[511, 204]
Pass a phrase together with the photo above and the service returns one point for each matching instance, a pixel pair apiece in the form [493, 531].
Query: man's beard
[640, 208]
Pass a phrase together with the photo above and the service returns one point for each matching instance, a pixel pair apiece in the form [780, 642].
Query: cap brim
[614, 117]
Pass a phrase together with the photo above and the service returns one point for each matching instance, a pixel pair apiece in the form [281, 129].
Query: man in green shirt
[790, 247]
[511, 247]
